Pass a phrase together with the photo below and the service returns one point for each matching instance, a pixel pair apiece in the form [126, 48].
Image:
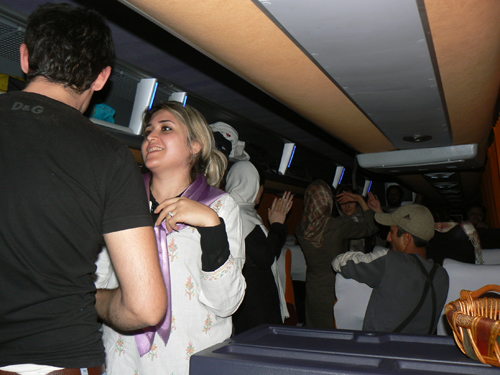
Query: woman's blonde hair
[209, 161]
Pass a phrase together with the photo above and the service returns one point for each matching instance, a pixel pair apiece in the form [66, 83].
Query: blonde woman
[200, 244]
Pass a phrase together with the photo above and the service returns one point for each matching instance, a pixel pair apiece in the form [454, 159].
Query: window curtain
[490, 184]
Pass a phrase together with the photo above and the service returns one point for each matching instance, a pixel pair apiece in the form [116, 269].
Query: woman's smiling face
[165, 142]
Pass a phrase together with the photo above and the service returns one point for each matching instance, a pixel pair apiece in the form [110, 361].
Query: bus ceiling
[337, 78]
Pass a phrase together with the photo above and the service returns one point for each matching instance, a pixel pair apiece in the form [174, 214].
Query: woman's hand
[374, 203]
[346, 197]
[280, 208]
[187, 211]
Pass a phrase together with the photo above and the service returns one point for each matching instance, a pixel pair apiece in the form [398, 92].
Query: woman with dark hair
[323, 237]
[198, 230]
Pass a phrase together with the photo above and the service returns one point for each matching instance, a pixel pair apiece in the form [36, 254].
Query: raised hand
[374, 203]
[280, 208]
[346, 197]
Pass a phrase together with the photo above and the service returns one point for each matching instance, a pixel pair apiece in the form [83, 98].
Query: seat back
[289, 294]
[465, 276]
[293, 319]
[292, 266]
[352, 300]
[298, 270]
[491, 256]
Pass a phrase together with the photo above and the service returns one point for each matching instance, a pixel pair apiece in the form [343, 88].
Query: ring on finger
[171, 213]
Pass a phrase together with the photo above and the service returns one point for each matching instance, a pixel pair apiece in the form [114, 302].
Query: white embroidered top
[202, 302]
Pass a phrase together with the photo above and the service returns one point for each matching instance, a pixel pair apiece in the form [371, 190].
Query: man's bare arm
[141, 299]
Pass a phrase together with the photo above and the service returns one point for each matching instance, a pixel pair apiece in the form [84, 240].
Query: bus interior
[379, 91]
[392, 91]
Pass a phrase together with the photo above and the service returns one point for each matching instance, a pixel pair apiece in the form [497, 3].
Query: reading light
[367, 187]
[337, 179]
[417, 138]
[180, 97]
[445, 185]
[440, 175]
[144, 98]
[286, 157]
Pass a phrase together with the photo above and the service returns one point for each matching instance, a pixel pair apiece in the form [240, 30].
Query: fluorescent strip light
[286, 157]
[339, 174]
[367, 187]
[144, 97]
[180, 97]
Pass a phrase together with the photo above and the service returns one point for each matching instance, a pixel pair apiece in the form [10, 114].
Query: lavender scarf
[199, 191]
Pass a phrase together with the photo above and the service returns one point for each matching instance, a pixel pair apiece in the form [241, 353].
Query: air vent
[12, 38]
[423, 160]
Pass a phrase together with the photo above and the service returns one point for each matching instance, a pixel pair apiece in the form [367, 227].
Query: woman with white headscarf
[264, 301]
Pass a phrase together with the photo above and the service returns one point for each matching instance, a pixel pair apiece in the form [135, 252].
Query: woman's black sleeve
[214, 246]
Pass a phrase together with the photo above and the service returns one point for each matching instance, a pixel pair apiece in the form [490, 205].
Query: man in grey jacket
[409, 291]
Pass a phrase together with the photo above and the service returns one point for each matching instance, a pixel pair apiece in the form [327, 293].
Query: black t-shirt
[64, 183]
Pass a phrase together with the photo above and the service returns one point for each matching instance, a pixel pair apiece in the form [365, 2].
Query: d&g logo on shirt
[18, 106]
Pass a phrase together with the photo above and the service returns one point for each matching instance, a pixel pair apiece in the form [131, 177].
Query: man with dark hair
[476, 214]
[78, 35]
[66, 185]
[394, 195]
[409, 291]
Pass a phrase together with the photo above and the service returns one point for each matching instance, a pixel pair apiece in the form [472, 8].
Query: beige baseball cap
[413, 218]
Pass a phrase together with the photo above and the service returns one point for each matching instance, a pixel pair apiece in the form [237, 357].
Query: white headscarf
[243, 184]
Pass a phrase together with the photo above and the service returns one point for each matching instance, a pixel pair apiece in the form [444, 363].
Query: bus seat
[298, 270]
[465, 276]
[491, 256]
[352, 300]
[289, 295]
[289, 291]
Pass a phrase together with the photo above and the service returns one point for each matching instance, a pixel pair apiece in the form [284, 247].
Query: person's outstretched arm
[141, 299]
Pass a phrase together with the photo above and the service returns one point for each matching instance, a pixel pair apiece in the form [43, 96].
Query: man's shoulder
[400, 261]
[31, 102]
[37, 108]
[398, 256]
[58, 119]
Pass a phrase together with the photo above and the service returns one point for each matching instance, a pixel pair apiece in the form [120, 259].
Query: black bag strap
[428, 284]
